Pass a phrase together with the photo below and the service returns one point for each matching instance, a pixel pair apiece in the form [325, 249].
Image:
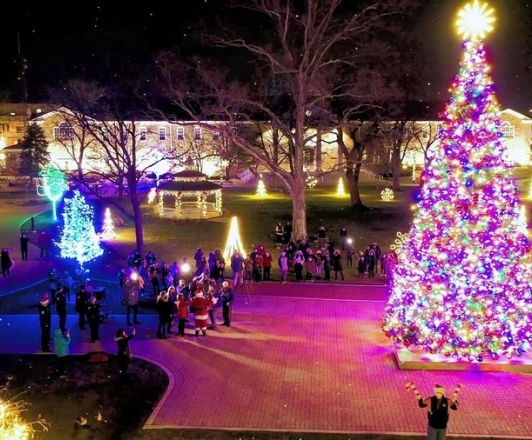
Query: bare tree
[302, 59]
[105, 142]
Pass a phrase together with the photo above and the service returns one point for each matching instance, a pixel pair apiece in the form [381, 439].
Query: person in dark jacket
[24, 241]
[45, 321]
[123, 354]
[94, 309]
[5, 262]
[164, 312]
[61, 307]
[82, 296]
[438, 407]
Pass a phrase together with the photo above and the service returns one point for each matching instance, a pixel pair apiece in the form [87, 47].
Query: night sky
[161, 24]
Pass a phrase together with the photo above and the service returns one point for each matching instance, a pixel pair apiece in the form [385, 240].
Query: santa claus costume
[200, 305]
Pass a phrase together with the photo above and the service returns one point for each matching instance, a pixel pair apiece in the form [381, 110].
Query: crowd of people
[195, 294]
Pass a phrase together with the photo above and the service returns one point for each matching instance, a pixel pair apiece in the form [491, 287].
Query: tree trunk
[352, 175]
[396, 167]
[299, 208]
[137, 218]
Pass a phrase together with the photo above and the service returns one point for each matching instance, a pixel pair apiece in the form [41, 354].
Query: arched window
[63, 132]
[508, 130]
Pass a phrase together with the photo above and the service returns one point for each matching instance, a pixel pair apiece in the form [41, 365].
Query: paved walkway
[305, 357]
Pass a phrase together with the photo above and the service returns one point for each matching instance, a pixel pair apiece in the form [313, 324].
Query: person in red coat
[182, 314]
[201, 306]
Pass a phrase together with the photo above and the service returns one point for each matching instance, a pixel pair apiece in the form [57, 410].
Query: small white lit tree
[261, 188]
[340, 190]
[108, 232]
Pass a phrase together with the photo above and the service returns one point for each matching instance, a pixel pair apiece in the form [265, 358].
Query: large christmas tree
[462, 287]
[79, 239]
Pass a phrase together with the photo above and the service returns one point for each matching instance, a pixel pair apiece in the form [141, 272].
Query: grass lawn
[173, 239]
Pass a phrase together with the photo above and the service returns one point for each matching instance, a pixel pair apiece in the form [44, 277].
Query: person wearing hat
[227, 296]
[62, 350]
[45, 321]
[438, 407]
[201, 306]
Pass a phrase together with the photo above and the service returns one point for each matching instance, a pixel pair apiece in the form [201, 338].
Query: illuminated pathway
[303, 357]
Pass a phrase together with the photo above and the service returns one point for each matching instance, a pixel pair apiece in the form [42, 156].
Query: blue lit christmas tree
[78, 238]
[463, 285]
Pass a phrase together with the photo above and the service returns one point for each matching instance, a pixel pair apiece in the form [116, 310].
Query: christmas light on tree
[234, 243]
[261, 188]
[54, 184]
[78, 238]
[387, 194]
[12, 424]
[340, 190]
[463, 285]
[151, 195]
[108, 232]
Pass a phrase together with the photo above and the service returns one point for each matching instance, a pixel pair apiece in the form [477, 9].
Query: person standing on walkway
[227, 295]
[45, 321]
[438, 407]
[5, 262]
[182, 313]
[94, 309]
[200, 305]
[62, 349]
[237, 266]
[44, 243]
[61, 307]
[82, 296]
[212, 297]
[123, 353]
[337, 264]
[164, 313]
[283, 266]
[132, 288]
[24, 242]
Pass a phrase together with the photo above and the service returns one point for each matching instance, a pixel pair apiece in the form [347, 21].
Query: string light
[108, 232]
[462, 287]
[261, 188]
[78, 238]
[234, 242]
[340, 190]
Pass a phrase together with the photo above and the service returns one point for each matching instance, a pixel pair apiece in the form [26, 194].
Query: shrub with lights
[78, 238]
[12, 424]
[462, 288]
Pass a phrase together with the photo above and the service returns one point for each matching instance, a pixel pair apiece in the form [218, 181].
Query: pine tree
[78, 238]
[34, 155]
[462, 287]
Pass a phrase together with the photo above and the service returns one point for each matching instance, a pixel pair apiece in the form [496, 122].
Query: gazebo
[204, 197]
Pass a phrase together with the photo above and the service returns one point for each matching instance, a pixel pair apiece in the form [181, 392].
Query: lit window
[180, 133]
[162, 133]
[215, 134]
[197, 133]
[508, 130]
[143, 133]
[63, 132]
